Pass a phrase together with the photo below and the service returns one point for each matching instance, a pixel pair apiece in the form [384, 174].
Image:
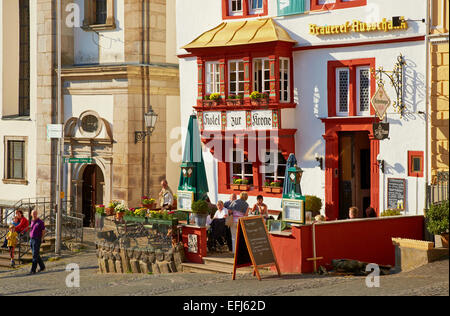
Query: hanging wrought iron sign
[381, 130]
[380, 102]
[396, 78]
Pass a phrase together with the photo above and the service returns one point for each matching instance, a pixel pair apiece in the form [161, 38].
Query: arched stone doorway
[92, 193]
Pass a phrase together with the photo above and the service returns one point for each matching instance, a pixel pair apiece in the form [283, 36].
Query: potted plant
[100, 210]
[175, 201]
[200, 209]
[99, 216]
[110, 209]
[147, 202]
[313, 204]
[276, 186]
[212, 99]
[244, 186]
[390, 212]
[266, 187]
[236, 182]
[120, 211]
[235, 99]
[257, 98]
[437, 221]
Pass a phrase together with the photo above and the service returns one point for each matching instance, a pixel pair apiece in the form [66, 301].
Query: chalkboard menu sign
[253, 246]
[396, 193]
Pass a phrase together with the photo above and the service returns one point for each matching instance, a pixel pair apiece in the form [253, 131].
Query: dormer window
[255, 6]
[235, 7]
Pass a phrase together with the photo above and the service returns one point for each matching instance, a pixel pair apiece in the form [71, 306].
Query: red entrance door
[333, 174]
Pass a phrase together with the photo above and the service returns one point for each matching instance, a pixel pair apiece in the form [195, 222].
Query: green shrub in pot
[313, 204]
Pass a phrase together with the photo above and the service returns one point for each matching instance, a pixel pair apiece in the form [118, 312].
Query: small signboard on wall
[396, 193]
[294, 211]
[185, 200]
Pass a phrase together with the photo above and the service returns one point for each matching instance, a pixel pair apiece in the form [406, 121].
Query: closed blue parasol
[193, 164]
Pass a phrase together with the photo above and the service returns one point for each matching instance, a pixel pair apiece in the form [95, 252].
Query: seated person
[370, 212]
[259, 208]
[353, 212]
[218, 232]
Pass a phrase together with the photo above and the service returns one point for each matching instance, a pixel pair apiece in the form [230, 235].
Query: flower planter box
[149, 206]
[234, 186]
[277, 190]
[210, 103]
[267, 189]
[234, 102]
[259, 102]
[173, 222]
[135, 219]
[244, 187]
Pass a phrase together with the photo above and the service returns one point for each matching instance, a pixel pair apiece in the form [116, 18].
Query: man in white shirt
[165, 196]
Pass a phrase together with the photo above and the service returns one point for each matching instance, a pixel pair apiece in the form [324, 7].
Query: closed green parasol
[193, 173]
[291, 187]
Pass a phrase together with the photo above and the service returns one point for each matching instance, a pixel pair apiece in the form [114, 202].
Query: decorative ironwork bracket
[139, 136]
[396, 78]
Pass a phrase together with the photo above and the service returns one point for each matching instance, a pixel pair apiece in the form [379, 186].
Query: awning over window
[241, 33]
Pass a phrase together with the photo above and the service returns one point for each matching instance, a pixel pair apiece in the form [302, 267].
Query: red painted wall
[368, 240]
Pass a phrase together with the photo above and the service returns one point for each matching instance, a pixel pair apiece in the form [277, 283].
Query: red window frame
[352, 65]
[245, 10]
[411, 156]
[339, 4]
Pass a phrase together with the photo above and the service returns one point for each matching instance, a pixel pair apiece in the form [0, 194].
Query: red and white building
[313, 58]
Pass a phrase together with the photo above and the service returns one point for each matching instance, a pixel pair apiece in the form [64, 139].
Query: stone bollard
[135, 266]
[155, 268]
[164, 267]
[119, 267]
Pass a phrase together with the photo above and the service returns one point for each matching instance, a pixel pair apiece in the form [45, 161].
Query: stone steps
[222, 265]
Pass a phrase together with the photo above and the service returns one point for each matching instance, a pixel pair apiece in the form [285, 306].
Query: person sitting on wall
[353, 212]
[165, 196]
[370, 212]
[319, 218]
[259, 208]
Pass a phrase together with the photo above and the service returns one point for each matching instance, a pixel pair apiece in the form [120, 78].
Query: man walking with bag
[37, 233]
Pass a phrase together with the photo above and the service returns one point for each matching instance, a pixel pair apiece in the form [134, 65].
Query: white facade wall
[19, 127]
[310, 85]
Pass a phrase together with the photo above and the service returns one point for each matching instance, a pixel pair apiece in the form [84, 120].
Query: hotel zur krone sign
[358, 27]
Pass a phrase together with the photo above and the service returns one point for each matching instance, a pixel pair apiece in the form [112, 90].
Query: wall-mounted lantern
[319, 159]
[150, 121]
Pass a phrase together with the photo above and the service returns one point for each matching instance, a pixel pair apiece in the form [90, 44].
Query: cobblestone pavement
[432, 279]
[427, 280]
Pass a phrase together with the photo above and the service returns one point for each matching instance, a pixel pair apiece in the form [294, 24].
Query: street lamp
[150, 121]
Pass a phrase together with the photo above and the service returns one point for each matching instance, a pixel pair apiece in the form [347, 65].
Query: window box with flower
[240, 184]
[273, 187]
[257, 98]
[213, 99]
[235, 99]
